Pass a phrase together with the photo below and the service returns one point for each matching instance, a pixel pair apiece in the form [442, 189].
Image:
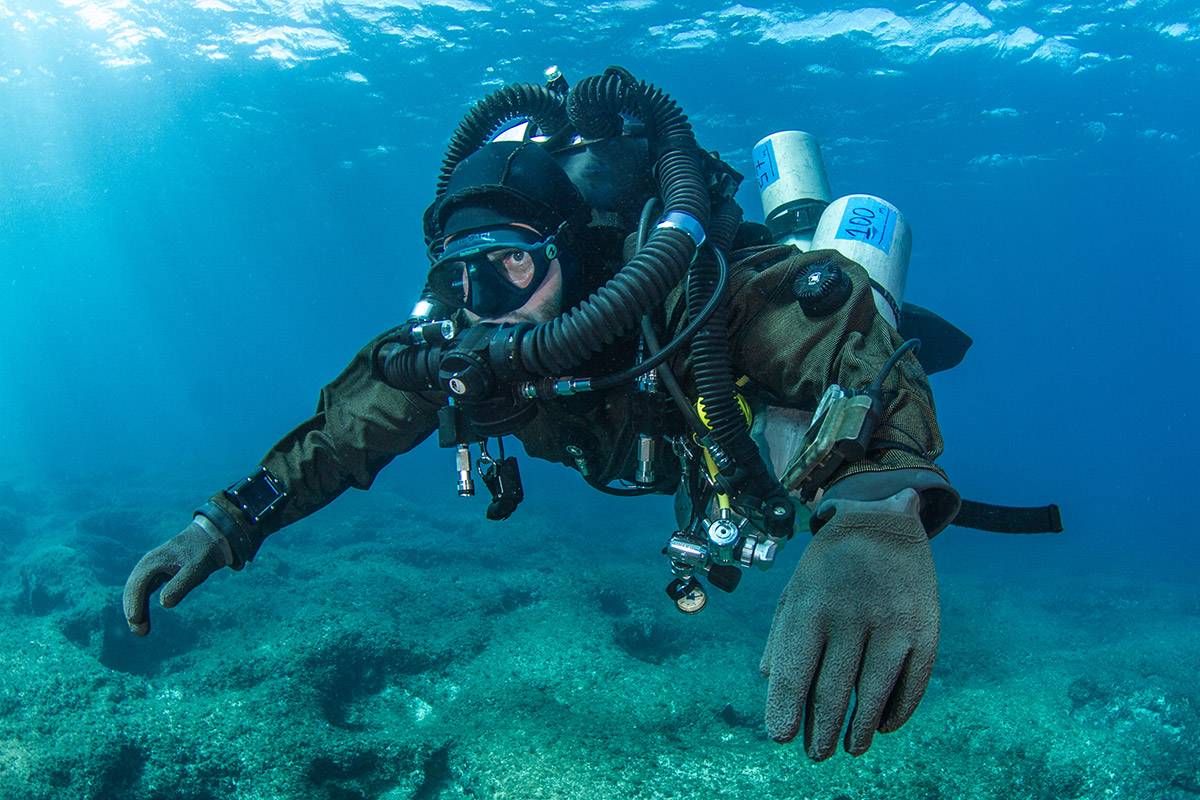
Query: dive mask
[490, 291]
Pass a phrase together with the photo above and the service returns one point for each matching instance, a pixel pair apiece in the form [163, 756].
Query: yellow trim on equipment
[722, 498]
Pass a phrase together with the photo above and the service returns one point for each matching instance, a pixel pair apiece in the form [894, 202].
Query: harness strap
[1009, 519]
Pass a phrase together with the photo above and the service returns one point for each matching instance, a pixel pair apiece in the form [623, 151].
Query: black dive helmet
[490, 363]
[505, 195]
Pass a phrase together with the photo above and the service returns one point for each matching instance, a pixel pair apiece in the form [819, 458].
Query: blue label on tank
[765, 168]
[868, 221]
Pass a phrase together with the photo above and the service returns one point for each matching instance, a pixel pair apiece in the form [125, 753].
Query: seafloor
[384, 649]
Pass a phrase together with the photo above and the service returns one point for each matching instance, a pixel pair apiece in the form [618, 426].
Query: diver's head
[501, 234]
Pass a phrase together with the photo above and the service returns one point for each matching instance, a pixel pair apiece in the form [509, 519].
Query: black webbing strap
[1008, 519]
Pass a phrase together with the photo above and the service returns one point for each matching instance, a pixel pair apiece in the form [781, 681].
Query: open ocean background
[206, 208]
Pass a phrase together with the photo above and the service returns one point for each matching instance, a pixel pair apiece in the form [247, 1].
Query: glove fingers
[154, 569]
[914, 677]
[881, 670]
[188, 578]
[792, 673]
[831, 695]
[764, 664]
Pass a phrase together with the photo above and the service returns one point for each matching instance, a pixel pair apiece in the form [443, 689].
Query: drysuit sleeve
[797, 357]
[359, 426]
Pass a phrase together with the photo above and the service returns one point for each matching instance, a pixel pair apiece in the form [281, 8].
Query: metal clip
[503, 480]
[576, 453]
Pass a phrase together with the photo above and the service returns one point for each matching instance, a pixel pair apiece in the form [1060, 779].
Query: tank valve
[758, 552]
[555, 80]
[723, 534]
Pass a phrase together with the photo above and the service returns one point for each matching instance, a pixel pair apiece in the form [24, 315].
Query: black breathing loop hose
[725, 225]
[545, 107]
[694, 325]
[712, 371]
[594, 106]
[684, 188]
[613, 311]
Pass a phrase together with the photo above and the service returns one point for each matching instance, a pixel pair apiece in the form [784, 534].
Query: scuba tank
[864, 228]
[875, 234]
[799, 210]
[867, 230]
[793, 185]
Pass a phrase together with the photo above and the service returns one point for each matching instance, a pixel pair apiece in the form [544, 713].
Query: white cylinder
[873, 233]
[793, 185]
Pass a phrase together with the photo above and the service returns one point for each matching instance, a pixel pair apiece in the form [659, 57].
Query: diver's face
[543, 305]
[518, 268]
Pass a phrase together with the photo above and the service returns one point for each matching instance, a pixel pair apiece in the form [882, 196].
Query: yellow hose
[722, 498]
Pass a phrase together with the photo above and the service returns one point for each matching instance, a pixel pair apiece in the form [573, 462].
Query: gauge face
[693, 601]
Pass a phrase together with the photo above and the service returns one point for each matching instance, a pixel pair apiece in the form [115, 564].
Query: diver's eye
[509, 258]
[516, 266]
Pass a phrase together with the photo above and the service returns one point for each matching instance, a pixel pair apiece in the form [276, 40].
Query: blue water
[206, 208]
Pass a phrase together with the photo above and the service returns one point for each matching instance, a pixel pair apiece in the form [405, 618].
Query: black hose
[662, 487]
[712, 370]
[876, 387]
[615, 310]
[685, 335]
[411, 368]
[557, 346]
[672, 383]
[725, 225]
[544, 107]
[644, 219]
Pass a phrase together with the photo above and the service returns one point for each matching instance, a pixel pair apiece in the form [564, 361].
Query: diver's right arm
[360, 425]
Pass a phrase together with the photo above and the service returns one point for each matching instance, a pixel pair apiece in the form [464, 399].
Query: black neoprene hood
[504, 183]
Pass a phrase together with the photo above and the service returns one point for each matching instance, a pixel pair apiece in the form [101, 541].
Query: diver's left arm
[359, 426]
[860, 615]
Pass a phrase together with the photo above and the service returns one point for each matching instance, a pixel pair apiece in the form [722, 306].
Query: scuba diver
[594, 292]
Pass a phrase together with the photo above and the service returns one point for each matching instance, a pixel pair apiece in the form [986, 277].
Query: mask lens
[503, 267]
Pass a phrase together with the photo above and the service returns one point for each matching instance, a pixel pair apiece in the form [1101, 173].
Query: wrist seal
[242, 546]
[237, 511]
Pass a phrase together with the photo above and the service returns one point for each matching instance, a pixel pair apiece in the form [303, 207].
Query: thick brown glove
[859, 615]
[181, 563]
